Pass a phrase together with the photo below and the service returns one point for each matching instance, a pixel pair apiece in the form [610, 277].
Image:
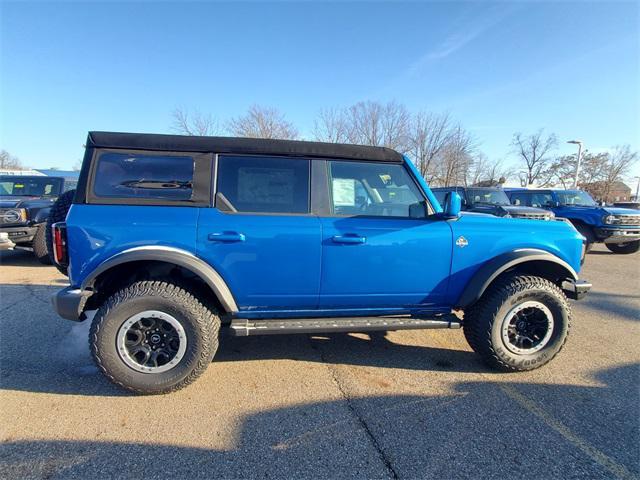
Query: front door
[261, 237]
[379, 249]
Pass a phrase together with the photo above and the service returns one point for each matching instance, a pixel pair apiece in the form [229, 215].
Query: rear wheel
[153, 337]
[520, 323]
[624, 248]
[40, 245]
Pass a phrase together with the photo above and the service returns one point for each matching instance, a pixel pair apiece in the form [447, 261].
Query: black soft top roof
[258, 146]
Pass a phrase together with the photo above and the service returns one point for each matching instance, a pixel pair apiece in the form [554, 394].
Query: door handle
[227, 237]
[349, 238]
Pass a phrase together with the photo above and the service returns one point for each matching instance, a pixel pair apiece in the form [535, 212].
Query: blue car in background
[170, 239]
[618, 228]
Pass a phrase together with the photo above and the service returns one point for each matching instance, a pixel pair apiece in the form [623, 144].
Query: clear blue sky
[66, 68]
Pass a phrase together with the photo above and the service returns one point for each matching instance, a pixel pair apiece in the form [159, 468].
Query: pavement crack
[354, 411]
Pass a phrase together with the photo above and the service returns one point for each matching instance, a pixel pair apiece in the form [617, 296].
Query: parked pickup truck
[25, 202]
[618, 228]
[171, 238]
[493, 201]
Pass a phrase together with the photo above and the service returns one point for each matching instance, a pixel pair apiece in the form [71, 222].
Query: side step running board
[244, 327]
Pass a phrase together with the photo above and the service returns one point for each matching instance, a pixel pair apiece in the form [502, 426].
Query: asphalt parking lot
[405, 405]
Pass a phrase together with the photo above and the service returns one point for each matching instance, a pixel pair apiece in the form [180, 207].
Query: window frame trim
[310, 196]
[200, 191]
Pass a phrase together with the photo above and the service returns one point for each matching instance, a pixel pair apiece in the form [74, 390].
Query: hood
[522, 210]
[619, 211]
[496, 210]
[24, 202]
[475, 214]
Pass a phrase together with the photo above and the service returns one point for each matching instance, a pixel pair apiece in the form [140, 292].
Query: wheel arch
[169, 257]
[527, 261]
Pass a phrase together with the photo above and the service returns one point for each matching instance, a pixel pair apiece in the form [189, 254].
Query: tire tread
[207, 320]
[478, 320]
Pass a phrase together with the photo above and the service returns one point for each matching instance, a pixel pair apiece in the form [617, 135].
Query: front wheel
[153, 337]
[520, 323]
[624, 248]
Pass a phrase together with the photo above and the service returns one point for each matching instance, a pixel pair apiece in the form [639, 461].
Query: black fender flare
[491, 269]
[42, 215]
[173, 255]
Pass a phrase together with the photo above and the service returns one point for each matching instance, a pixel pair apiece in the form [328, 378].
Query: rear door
[261, 236]
[378, 250]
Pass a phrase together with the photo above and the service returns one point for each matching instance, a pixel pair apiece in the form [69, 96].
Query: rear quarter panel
[97, 232]
[489, 237]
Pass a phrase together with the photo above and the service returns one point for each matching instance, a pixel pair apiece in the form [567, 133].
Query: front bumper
[69, 303]
[618, 235]
[20, 234]
[576, 289]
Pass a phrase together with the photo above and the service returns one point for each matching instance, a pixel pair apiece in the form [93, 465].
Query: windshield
[487, 197]
[575, 197]
[30, 186]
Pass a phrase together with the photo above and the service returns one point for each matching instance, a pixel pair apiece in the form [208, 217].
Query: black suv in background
[493, 201]
[25, 203]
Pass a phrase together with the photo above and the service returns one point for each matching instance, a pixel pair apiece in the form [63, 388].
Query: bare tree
[196, 124]
[262, 122]
[486, 173]
[562, 170]
[429, 134]
[617, 166]
[453, 164]
[534, 150]
[332, 126]
[377, 124]
[8, 161]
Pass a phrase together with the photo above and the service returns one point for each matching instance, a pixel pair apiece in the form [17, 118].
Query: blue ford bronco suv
[171, 238]
[618, 228]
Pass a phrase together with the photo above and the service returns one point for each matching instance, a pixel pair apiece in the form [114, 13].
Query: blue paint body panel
[277, 266]
[394, 267]
[293, 266]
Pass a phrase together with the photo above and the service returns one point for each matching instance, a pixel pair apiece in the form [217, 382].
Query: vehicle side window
[520, 199]
[257, 184]
[541, 200]
[373, 189]
[144, 176]
[440, 195]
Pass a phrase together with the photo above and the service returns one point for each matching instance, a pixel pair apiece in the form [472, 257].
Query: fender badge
[462, 242]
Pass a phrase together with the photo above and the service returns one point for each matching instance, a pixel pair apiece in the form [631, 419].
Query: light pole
[579, 143]
[637, 190]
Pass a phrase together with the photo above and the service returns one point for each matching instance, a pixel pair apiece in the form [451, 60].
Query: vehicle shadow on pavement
[623, 305]
[20, 258]
[371, 350]
[481, 430]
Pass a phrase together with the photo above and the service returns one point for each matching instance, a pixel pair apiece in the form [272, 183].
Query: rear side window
[519, 199]
[144, 176]
[259, 184]
[541, 200]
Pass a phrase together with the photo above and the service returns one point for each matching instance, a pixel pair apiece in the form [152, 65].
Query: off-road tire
[624, 248]
[201, 326]
[586, 232]
[58, 213]
[483, 321]
[40, 245]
